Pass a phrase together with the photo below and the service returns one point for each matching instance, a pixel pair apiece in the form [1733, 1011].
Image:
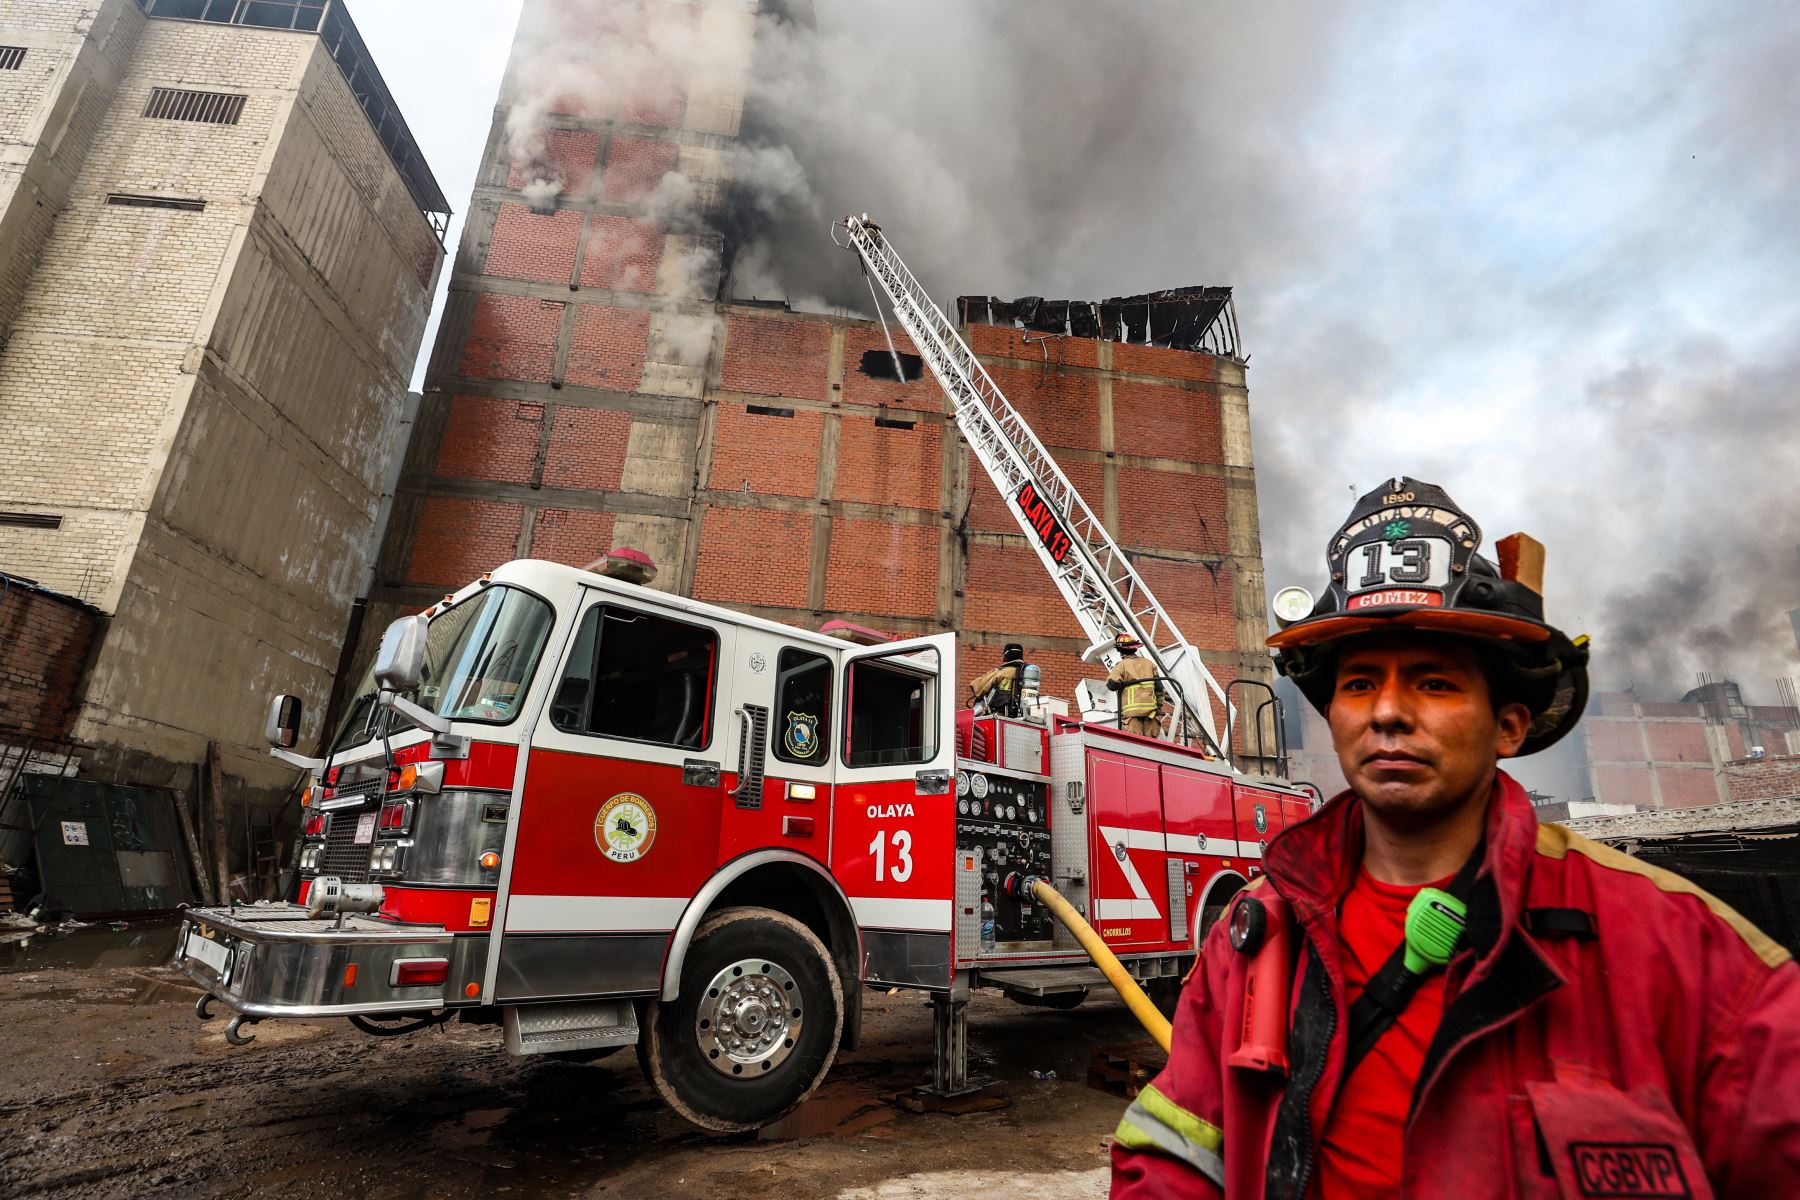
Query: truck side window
[638, 677]
[802, 732]
[892, 713]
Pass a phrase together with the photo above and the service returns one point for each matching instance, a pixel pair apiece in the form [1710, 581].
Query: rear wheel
[756, 1025]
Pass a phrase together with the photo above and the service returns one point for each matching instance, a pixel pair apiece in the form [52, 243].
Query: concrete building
[218, 246]
[594, 384]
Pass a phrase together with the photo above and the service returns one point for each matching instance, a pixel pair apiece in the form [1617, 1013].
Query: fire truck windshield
[479, 659]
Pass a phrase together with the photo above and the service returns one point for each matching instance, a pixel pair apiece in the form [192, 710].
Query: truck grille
[343, 857]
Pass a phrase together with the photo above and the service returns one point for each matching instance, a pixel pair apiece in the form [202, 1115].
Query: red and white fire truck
[600, 815]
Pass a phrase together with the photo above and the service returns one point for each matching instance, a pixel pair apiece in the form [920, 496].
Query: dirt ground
[112, 1087]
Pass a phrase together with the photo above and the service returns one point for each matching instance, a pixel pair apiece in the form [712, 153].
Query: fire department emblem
[802, 736]
[625, 827]
[1262, 820]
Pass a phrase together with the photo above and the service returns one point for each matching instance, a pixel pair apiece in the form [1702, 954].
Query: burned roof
[1188, 318]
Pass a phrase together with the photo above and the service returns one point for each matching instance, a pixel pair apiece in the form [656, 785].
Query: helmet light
[1291, 604]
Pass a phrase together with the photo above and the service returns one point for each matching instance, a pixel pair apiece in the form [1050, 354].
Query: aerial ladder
[1099, 584]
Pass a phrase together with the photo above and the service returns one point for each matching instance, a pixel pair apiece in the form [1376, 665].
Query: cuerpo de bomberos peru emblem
[625, 827]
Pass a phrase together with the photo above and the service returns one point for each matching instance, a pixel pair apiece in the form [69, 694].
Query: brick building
[594, 385]
[217, 256]
[1697, 751]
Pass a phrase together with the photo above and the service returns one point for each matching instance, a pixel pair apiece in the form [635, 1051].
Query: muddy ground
[112, 1087]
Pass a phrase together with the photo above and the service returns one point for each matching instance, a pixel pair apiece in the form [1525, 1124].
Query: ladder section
[1098, 582]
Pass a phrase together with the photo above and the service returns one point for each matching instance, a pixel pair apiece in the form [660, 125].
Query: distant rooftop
[1189, 318]
[330, 20]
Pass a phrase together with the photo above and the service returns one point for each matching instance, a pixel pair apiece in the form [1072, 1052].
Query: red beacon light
[627, 565]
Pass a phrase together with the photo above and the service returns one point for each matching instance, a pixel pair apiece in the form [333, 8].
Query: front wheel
[756, 1025]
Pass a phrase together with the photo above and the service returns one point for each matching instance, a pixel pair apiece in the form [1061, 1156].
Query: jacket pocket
[1604, 1144]
[1533, 1174]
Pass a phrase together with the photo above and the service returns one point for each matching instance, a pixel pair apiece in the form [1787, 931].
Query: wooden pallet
[1125, 1070]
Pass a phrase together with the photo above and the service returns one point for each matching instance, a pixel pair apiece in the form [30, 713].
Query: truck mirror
[283, 726]
[400, 663]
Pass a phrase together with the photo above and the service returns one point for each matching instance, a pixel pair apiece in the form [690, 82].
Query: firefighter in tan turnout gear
[997, 691]
[1140, 693]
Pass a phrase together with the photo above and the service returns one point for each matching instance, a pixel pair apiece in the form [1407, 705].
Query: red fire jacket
[1653, 1053]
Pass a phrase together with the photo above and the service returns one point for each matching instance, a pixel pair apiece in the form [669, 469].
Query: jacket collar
[1312, 864]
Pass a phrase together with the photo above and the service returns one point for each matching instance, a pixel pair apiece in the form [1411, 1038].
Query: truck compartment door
[893, 836]
[1131, 887]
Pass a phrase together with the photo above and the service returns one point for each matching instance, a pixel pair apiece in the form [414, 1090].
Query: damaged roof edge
[1201, 319]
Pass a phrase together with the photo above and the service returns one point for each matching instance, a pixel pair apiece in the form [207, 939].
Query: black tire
[688, 1066]
[1165, 993]
[1209, 916]
[1057, 1000]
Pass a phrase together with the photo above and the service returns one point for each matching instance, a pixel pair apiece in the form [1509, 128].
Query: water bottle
[987, 924]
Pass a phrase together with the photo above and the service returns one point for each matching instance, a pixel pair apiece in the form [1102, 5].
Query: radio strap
[1392, 988]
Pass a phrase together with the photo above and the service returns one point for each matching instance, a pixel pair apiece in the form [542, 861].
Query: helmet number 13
[1408, 561]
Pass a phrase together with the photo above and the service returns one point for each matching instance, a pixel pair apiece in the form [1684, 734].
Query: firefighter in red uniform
[1479, 1005]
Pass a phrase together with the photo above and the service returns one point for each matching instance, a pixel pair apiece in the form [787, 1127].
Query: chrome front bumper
[272, 960]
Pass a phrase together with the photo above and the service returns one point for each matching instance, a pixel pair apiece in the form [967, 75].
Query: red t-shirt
[1360, 1153]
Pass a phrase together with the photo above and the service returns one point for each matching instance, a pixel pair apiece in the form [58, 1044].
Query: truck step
[1043, 981]
[576, 1025]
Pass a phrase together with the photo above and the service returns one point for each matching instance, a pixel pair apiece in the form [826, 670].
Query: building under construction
[594, 384]
[218, 246]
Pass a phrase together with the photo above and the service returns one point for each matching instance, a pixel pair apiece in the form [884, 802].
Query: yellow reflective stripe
[1139, 699]
[1145, 1130]
[1194, 1129]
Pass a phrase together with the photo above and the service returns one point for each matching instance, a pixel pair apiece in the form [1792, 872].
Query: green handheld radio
[1434, 928]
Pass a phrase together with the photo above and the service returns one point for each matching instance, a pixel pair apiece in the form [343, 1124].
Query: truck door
[1258, 820]
[893, 836]
[619, 825]
[784, 706]
[1131, 886]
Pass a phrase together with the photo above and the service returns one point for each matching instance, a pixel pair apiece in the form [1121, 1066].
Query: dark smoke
[1543, 258]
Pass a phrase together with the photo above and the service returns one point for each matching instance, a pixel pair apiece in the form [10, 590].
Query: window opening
[25, 520]
[879, 364]
[891, 716]
[640, 678]
[892, 423]
[11, 57]
[768, 410]
[802, 707]
[205, 108]
[179, 203]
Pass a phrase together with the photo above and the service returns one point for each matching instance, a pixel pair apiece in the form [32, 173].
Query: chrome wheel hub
[749, 1018]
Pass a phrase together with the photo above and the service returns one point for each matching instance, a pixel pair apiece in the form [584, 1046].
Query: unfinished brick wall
[45, 640]
[744, 446]
[1774, 778]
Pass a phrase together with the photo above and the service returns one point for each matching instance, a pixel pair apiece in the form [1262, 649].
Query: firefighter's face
[1415, 730]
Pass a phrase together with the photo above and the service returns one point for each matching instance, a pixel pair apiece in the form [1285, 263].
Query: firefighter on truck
[1428, 993]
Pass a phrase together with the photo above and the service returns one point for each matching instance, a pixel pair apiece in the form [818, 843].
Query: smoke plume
[1539, 255]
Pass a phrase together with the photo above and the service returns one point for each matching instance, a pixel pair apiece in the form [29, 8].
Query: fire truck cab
[601, 815]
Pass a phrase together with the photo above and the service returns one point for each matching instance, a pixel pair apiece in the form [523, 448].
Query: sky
[1543, 255]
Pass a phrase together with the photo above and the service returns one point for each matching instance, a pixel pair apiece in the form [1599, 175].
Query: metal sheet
[569, 966]
[904, 958]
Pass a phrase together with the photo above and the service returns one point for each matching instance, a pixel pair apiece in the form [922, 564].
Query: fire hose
[1140, 1005]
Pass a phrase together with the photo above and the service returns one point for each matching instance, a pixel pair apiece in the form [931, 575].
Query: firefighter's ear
[1511, 724]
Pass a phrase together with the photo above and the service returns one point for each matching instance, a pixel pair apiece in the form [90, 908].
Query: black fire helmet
[1014, 652]
[1406, 559]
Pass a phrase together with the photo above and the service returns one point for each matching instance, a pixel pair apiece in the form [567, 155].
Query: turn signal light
[489, 861]
[306, 798]
[409, 777]
[420, 972]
